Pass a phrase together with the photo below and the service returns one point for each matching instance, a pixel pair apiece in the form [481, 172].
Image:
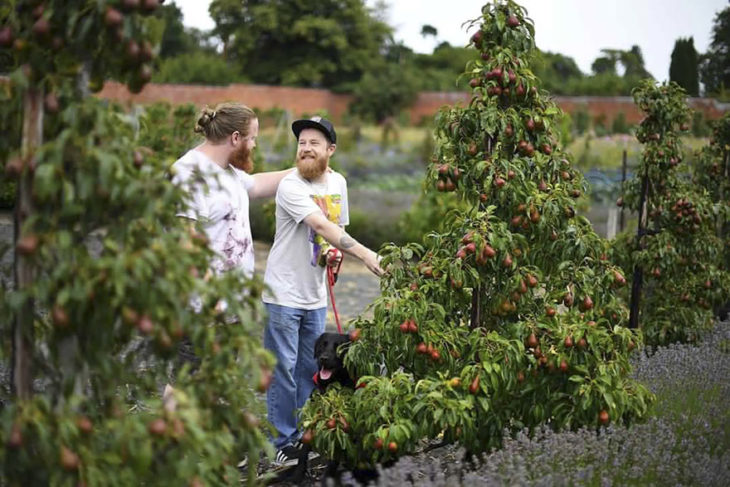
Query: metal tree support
[638, 272]
[623, 180]
[23, 269]
[725, 177]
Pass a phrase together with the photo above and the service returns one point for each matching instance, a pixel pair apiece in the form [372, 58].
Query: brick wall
[298, 100]
[308, 100]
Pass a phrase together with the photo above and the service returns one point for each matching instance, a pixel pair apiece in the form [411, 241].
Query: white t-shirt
[219, 201]
[293, 275]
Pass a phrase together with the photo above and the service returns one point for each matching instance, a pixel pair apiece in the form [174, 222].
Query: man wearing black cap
[311, 213]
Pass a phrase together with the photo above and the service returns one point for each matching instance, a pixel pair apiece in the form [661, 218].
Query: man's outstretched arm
[339, 238]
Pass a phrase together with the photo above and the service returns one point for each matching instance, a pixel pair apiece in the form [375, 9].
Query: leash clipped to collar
[334, 256]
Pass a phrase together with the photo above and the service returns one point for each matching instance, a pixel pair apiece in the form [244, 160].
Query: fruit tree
[675, 262]
[712, 172]
[106, 275]
[508, 318]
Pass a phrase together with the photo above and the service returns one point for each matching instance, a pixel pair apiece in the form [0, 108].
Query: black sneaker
[287, 457]
[301, 446]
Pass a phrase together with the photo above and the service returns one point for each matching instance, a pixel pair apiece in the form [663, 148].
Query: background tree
[329, 43]
[715, 63]
[606, 63]
[384, 93]
[187, 55]
[556, 71]
[633, 63]
[712, 172]
[429, 30]
[683, 68]
[176, 39]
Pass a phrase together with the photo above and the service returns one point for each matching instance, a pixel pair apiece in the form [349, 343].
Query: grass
[607, 152]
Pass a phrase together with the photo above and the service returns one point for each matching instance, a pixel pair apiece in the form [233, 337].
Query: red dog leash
[334, 255]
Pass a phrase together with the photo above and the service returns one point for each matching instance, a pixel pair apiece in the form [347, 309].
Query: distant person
[311, 213]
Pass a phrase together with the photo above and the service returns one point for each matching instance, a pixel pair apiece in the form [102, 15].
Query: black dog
[329, 350]
[329, 356]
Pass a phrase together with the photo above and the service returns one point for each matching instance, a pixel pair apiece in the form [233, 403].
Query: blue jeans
[290, 335]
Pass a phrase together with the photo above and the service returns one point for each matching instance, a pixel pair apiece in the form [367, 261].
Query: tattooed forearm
[347, 242]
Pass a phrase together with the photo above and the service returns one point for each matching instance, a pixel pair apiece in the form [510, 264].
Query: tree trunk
[476, 297]
[24, 271]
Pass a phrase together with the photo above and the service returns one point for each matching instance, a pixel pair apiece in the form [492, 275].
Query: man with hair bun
[217, 176]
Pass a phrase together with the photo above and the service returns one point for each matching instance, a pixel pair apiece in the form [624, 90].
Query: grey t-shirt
[293, 274]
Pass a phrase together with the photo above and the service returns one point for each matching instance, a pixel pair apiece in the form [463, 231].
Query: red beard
[241, 159]
[312, 169]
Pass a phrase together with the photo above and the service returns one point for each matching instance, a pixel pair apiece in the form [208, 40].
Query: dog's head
[329, 350]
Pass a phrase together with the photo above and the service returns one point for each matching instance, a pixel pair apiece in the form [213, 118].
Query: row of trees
[108, 281]
[509, 315]
[513, 312]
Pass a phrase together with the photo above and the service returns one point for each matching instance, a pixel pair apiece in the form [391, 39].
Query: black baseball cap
[318, 123]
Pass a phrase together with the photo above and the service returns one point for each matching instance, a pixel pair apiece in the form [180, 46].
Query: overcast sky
[576, 28]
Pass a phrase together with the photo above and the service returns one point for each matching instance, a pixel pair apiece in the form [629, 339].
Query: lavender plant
[686, 442]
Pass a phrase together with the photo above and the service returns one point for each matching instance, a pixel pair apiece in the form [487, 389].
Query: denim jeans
[290, 335]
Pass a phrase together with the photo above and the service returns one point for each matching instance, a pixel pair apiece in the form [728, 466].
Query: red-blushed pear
[264, 380]
[412, 326]
[157, 427]
[563, 366]
[15, 439]
[474, 386]
[586, 304]
[59, 316]
[50, 103]
[68, 459]
[603, 417]
[41, 28]
[84, 424]
[145, 325]
[27, 244]
[113, 18]
[6, 37]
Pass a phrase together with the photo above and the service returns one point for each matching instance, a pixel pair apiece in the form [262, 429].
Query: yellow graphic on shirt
[331, 206]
